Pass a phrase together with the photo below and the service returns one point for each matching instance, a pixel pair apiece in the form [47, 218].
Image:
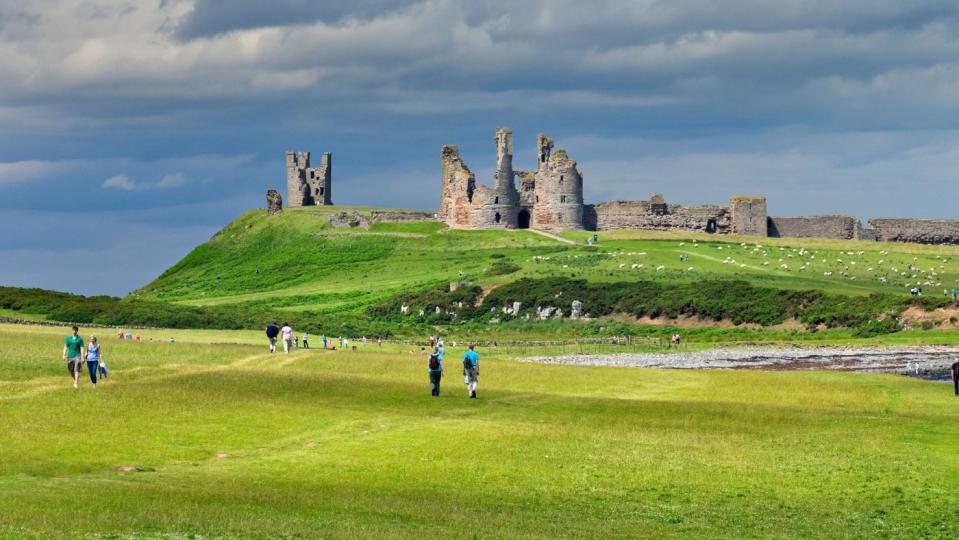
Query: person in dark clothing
[272, 331]
[435, 366]
[955, 375]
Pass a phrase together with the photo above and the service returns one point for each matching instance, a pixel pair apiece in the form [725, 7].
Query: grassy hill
[296, 262]
[213, 440]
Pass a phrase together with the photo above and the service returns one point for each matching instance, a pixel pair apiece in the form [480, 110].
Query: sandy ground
[928, 362]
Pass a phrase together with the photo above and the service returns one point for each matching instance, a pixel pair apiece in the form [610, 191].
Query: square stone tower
[748, 216]
[305, 185]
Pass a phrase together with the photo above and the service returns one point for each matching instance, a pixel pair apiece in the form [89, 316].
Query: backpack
[467, 363]
[434, 362]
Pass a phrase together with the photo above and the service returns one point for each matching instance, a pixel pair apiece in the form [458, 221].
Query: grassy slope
[233, 442]
[296, 261]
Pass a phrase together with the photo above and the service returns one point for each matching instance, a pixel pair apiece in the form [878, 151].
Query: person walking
[471, 371]
[306, 344]
[93, 359]
[272, 331]
[73, 355]
[324, 341]
[955, 375]
[435, 366]
[287, 333]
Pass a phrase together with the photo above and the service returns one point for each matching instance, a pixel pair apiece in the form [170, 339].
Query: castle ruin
[305, 185]
[551, 198]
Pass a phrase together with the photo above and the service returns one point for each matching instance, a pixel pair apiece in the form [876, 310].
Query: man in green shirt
[73, 354]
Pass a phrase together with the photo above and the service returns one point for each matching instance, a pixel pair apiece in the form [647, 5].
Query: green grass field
[225, 441]
[296, 261]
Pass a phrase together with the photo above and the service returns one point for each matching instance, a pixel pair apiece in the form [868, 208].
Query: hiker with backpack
[471, 371]
[435, 366]
[272, 331]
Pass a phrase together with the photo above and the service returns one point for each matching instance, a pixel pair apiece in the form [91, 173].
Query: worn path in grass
[227, 441]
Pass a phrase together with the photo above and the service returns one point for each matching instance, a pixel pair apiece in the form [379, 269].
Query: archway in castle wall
[522, 221]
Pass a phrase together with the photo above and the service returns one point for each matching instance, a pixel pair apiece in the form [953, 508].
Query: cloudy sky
[130, 131]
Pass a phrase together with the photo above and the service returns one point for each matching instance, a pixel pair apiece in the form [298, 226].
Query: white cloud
[119, 181]
[24, 171]
[171, 181]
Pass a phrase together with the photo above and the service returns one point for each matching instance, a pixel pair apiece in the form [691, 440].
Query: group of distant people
[290, 341]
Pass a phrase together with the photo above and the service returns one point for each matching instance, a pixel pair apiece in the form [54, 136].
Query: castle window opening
[495, 200]
[542, 158]
[497, 217]
[560, 179]
[711, 225]
[322, 190]
[562, 198]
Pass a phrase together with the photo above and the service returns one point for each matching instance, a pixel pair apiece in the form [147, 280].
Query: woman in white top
[93, 359]
[287, 334]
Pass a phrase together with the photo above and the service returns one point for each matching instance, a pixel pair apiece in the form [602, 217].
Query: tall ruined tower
[503, 208]
[558, 201]
[459, 183]
[305, 185]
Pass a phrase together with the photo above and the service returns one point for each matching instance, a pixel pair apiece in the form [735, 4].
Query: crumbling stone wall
[343, 220]
[748, 216]
[656, 216]
[838, 227]
[401, 215]
[274, 202]
[306, 185]
[920, 231]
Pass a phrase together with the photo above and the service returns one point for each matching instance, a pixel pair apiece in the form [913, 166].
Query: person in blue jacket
[272, 331]
[471, 371]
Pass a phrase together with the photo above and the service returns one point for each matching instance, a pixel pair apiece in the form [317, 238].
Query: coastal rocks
[274, 202]
[576, 310]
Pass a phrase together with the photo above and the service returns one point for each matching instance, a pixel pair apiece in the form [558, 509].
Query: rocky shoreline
[924, 361]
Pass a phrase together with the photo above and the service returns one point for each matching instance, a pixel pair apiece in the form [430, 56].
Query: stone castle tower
[558, 190]
[551, 197]
[305, 185]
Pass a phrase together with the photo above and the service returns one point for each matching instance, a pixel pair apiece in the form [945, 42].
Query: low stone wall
[401, 215]
[837, 227]
[639, 215]
[920, 231]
